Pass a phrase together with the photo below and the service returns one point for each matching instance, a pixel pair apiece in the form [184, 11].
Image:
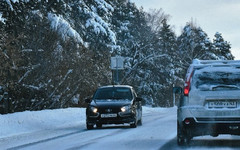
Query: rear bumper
[194, 128]
[201, 121]
[204, 115]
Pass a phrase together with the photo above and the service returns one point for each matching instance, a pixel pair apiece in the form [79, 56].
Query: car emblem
[108, 110]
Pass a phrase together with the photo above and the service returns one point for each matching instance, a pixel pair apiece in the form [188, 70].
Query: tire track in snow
[45, 140]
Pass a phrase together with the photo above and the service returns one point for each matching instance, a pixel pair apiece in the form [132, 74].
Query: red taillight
[186, 90]
[187, 85]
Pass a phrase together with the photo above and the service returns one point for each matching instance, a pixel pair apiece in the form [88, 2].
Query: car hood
[110, 103]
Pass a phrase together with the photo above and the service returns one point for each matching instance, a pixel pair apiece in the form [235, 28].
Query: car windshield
[113, 93]
[214, 80]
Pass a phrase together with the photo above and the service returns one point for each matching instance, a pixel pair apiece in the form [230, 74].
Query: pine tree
[193, 43]
[222, 47]
[167, 46]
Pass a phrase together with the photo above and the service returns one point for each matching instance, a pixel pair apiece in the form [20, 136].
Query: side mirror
[138, 99]
[88, 100]
[177, 90]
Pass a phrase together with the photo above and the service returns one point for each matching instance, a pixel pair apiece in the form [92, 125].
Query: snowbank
[32, 121]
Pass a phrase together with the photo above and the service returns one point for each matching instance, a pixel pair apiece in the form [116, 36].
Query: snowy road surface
[65, 129]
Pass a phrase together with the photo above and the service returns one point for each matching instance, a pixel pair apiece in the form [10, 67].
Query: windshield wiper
[225, 86]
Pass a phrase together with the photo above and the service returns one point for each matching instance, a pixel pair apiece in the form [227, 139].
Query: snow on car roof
[210, 64]
[226, 69]
[197, 62]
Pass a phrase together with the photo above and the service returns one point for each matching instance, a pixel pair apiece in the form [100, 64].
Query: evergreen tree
[193, 43]
[222, 47]
[55, 51]
[167, 46]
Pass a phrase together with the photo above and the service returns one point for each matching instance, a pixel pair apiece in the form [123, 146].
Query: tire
[134, 125]
[183, 141]
[140, 122]
[99, 125]
[182, 138]
[89, 127]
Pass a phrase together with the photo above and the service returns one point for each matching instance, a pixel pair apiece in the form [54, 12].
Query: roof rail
[209, 62]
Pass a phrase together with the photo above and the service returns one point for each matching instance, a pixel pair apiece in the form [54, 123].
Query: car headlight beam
[94, 109]
[125, 109]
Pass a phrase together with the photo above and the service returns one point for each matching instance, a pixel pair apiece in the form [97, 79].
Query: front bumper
[119, 119]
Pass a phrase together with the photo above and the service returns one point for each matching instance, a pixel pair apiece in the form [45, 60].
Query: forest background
[55, 53]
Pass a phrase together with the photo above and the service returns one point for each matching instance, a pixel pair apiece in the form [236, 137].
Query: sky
[212, 16]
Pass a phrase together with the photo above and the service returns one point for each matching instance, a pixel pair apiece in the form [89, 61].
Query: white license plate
[222, 104]
[108, 115]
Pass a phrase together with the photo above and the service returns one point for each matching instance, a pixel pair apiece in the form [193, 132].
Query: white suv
[210, 101]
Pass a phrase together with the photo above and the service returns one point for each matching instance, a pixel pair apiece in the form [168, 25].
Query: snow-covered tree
[167, 46]
[193, 43]
[222, 47]
[53, 52]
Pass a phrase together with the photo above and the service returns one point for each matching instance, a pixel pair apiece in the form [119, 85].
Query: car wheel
[182, 138]
[183, 141]
[89, 127]
[140, 122]
[134, 124]
[99, 125]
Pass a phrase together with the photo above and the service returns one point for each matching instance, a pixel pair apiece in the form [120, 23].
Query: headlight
[126, 108]
[94, 109]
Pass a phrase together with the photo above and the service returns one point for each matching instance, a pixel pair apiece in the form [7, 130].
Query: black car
[114, 104]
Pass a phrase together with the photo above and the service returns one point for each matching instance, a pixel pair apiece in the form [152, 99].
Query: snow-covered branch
[28, 72]
[152, 56]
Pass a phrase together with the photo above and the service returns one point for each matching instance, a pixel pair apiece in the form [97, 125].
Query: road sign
[117, 63]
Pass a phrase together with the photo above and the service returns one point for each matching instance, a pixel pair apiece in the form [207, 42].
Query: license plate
[108, 115]
[222, 104]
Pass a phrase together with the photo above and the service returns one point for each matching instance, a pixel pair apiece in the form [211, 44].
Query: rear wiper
[225, 86]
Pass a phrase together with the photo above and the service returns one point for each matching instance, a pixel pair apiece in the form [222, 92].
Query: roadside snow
[32, 121]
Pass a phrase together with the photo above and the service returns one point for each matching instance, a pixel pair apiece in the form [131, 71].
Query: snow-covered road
[65, 129]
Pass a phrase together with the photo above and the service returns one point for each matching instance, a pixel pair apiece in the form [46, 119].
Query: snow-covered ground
[32, 121]
[29, 129]
[63, 129]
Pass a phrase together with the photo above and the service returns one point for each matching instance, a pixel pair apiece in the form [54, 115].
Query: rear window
[113, 93]
[217, 78]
